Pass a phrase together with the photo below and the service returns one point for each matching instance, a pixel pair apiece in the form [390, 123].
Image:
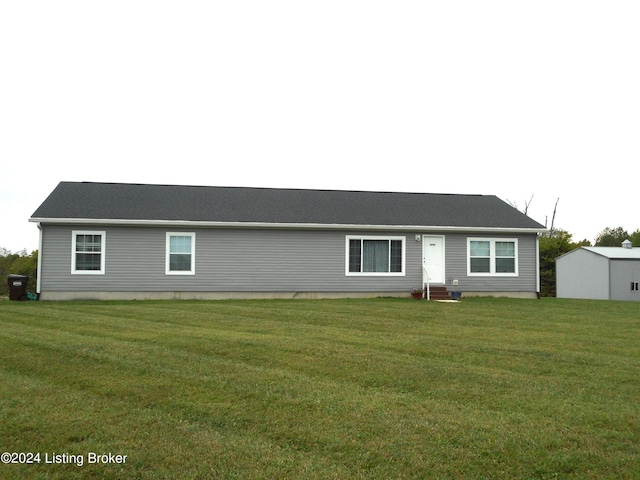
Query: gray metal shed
[599, 273]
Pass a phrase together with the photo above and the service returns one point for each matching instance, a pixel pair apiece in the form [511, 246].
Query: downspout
[39, 259]
[538, 265]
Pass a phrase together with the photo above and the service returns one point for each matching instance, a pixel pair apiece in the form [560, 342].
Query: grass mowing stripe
[383, 388]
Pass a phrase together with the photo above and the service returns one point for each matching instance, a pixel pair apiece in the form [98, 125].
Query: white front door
[433, 258]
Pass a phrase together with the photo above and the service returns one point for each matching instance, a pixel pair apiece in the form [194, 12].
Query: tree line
[552, 245]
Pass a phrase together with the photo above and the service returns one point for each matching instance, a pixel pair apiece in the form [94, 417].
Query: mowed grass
[323, 389]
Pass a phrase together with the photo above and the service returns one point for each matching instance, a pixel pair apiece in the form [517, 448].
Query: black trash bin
[18, 286]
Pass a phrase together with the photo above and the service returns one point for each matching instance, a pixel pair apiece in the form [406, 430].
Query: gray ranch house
[599, 273]
[132, 241]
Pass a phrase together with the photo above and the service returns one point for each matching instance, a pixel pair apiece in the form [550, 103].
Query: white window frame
[492, 257]
[192, 270]
[103, 243]
[403, 241]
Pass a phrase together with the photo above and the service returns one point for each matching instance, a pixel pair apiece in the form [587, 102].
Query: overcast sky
[510, 98]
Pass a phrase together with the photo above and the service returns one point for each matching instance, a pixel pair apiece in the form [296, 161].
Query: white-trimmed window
[492, 256]
[87, 252]
[181, 249]
[369, 255]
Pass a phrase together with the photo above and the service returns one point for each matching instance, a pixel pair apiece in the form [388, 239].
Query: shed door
[433, 257]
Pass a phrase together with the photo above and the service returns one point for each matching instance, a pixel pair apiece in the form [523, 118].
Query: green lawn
[326, 389]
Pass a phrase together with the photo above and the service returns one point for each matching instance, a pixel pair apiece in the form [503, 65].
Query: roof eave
[602, 253]
[304, 226]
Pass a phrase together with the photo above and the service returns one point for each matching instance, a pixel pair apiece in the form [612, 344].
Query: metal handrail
[425, 275]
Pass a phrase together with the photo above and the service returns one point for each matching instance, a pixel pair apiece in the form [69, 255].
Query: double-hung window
[180, 256]
[369, 255]
[492, 256]
[87, 255]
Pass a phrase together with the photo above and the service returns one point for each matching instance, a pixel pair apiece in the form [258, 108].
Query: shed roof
[615, 252]
[127, 203]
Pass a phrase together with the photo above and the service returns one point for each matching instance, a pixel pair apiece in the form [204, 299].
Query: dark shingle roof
[113, 201]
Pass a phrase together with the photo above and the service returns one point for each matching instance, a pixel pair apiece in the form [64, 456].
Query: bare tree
[526, 205]
[553, 218]
[526, 209]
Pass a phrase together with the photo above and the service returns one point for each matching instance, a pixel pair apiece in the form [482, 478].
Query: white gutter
[307, 226]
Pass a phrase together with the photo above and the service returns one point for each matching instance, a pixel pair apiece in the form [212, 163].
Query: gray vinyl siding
[225, 260]
[456, 266]
[259, 260]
